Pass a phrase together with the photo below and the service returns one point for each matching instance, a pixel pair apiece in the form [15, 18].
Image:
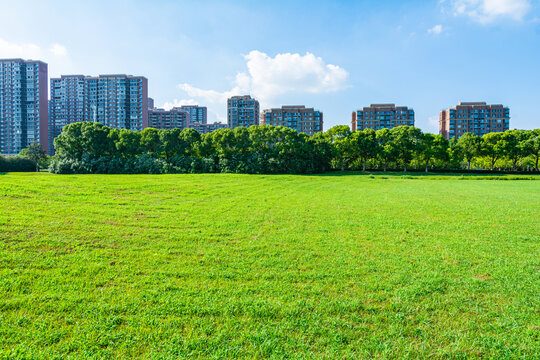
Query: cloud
[436, 30]
[267, 77]
[58, 50]
[177, 103]
[486, 11]
[30, 51]
[19, 50]
[55, 55]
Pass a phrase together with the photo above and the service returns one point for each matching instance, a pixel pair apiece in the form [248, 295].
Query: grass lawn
[248, 266]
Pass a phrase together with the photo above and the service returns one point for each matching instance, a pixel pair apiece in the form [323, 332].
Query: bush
[16, 164]
[145, 164]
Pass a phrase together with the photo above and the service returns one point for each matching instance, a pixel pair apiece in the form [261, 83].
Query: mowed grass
[244, 266]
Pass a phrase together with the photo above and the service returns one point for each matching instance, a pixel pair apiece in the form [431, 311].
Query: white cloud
[30, 51]
[177, 103]
[486, 11]
[55, 55]
[436, 30]
[268, 77]
[58, 50]
[19, 50]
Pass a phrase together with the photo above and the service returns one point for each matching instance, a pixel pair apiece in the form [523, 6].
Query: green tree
[35, 153]
[468, 146]
[406, 140]
[190, 140]
[84, 138]
[170, 142]
[531, 145]
[127, 142]
[363, 145]
[387, 150]
[513, 146]
[492, 147]
[338, 136]
[433, 148]
[150, 142]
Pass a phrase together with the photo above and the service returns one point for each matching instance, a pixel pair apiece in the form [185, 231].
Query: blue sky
[336, 56]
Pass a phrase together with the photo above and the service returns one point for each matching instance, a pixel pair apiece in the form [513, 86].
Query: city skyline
[337, 56]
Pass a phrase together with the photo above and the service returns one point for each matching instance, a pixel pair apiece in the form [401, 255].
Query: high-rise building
[117, 101]
[474, 117]
[208, 128]
[242, 111]
[150, 103]
[23, 105]
[176, 118]
[197, 114]
[380, 116]
[298, 117]
[67, 104]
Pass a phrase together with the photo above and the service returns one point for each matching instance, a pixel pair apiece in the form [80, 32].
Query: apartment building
[197, 114]
[176, 118]
[117, 101]
[380, 116]
[297, 117]
[242, 111]
[208, 128]
[23, 105]
[66, 105]
[474, 117]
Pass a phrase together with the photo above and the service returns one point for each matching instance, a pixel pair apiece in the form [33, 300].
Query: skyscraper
[298, 117]
[242, 111]
[474, 117]
[117, 101]
[23, 105]
[380, 116]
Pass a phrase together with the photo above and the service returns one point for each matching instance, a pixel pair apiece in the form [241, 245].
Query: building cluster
[474, 117]
[28, 114]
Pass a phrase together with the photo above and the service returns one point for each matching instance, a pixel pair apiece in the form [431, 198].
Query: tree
[363, 144]
[68, 144]
[406, 140]
[492, 147]
[468, 146]
[512, 143]
[150, 141]
[127, 142]
[170, 141]
[35, 153]
[387, 151]
[338, 136]
[433, 147]
[190, 140]
[531, 146]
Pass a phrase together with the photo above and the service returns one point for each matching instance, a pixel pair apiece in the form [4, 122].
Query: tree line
[88, 147]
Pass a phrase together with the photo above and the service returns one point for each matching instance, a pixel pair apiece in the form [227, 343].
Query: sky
[336, 56]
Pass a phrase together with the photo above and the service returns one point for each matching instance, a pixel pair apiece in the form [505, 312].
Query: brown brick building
[474, 117]
[298, 117]
[176, 118]
[380, 116]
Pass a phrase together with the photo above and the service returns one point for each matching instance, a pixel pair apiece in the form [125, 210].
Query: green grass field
[245, 266]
